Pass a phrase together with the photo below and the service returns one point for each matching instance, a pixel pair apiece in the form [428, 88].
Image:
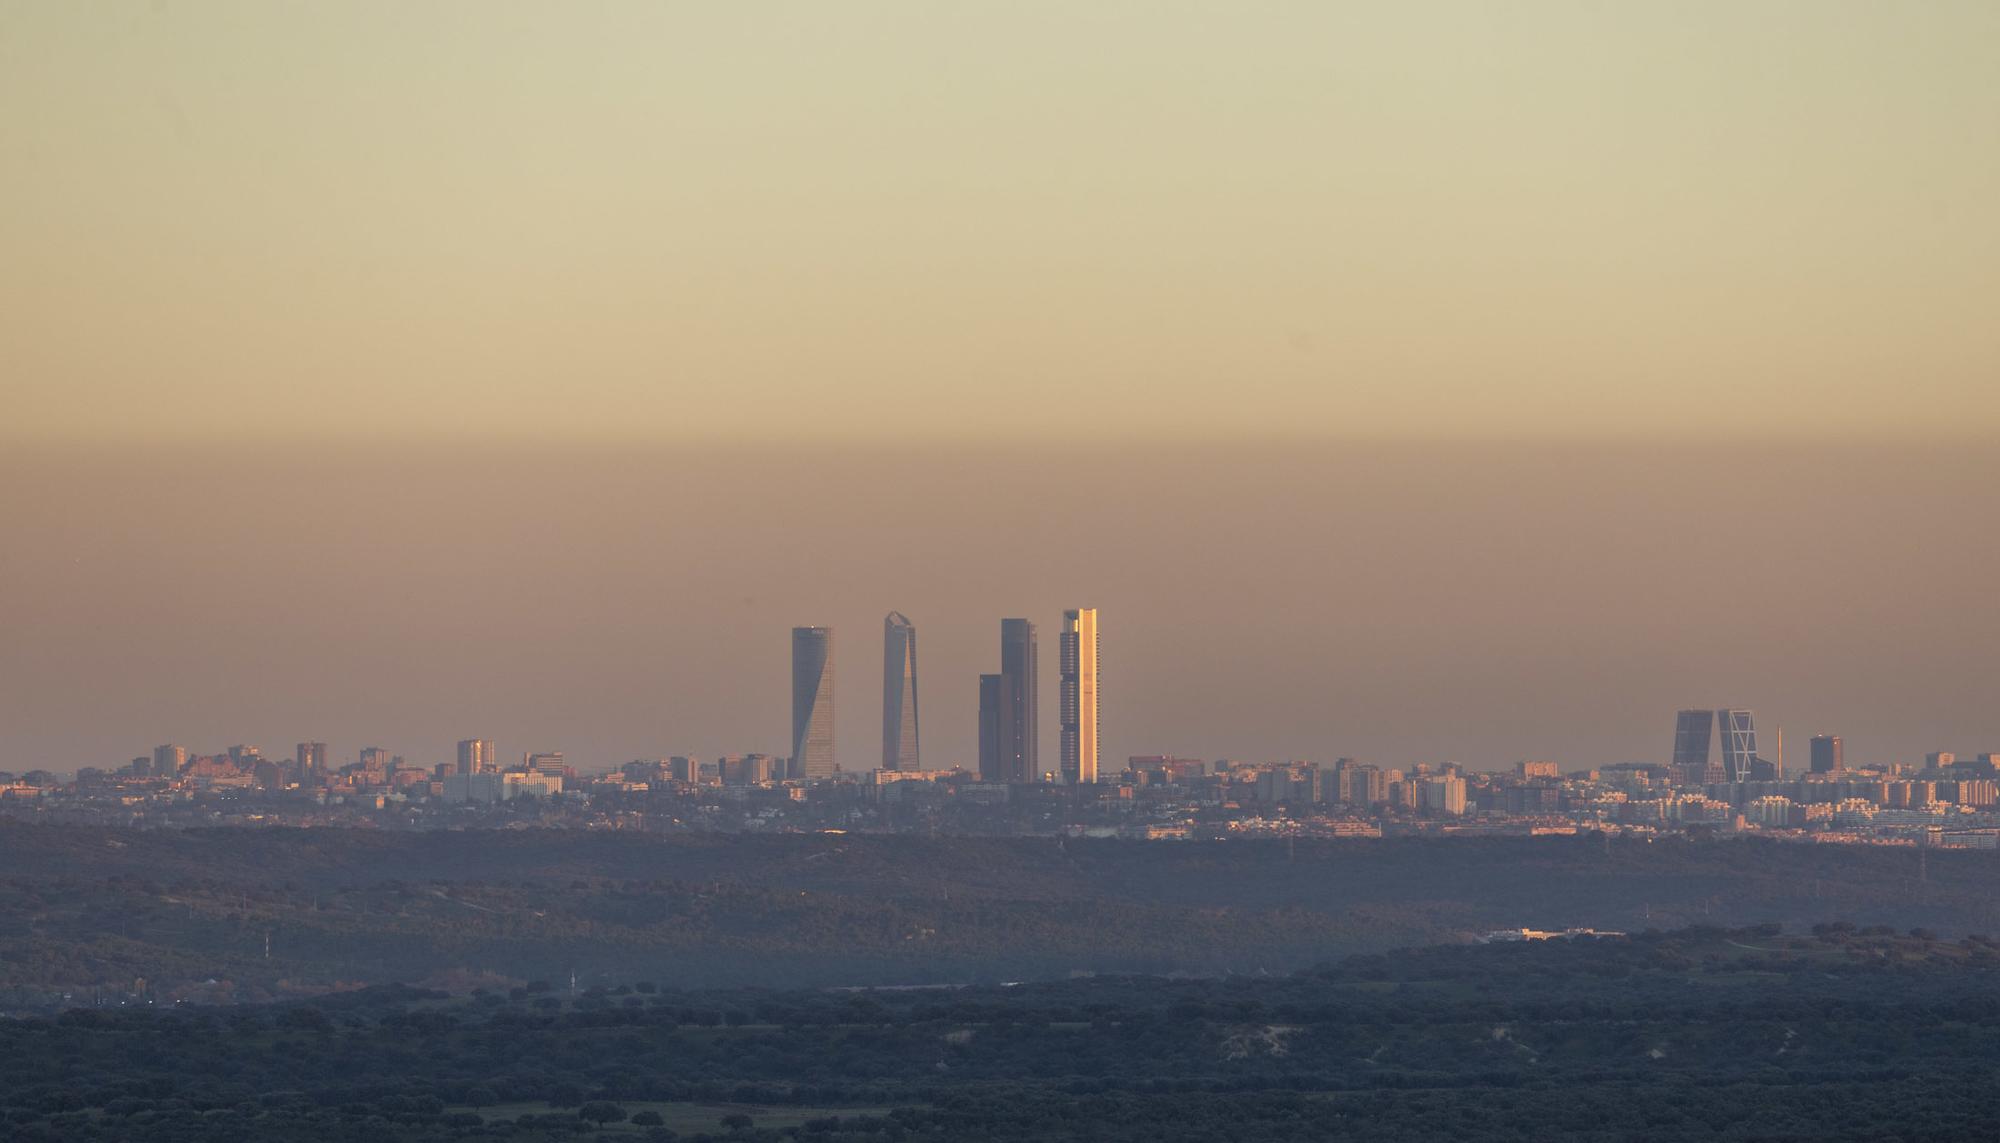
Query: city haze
[914, 570]
[1435, 601]
[1412, 382]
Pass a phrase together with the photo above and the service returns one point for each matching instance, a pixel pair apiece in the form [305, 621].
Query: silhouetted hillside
[1696, 1034]
[269, 912]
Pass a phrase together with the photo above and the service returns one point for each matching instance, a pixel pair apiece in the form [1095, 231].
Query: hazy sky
[1480, 603]
[685, 221]
[1406, 380]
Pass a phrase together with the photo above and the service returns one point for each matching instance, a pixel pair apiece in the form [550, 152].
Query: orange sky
[1480, 603]
[1417, 380]
[1128, 219]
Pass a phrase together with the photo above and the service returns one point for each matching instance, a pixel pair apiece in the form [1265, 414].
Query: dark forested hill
[250, 914]
[1695, 1034]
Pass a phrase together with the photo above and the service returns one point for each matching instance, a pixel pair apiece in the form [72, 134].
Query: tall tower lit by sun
[1078, 698]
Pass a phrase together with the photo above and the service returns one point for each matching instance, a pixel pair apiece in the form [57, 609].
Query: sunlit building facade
[1078, 696]
[476, 756]
[169, 760]
[309, 761]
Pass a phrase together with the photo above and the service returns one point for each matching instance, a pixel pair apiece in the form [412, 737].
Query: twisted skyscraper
[812, 702]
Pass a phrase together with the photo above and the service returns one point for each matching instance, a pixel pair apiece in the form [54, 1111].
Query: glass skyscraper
[1078, 697]
[993, 706]
[1738, 731]
[1020, 724]
[476, 756]
[812, 702]
[1694, 730]
[899, 694]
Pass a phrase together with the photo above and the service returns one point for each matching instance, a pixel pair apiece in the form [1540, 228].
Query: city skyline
[1950, 801]
[1222, 740]
[996, 753]
[455, 458]
[1681, 767]
[1007, 707]
[769, 317]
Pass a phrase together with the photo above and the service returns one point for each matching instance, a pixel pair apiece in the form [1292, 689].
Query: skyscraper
[899, 693]
[168, 760]
[476, 756]
[812, 703]
[1693, 729]
[309, 760]
[1078, 695]
[1738, 732]
[1445, 795]
[1826, 754]
[994, 702]
[1021, 727]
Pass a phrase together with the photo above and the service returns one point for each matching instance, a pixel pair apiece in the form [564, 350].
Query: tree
[566, 1095]
[601, 1111]
[306, 1020]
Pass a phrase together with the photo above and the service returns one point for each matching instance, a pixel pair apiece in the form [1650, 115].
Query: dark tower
[1021, 728]
[1693, 729]
[994, 701]
[899, 694]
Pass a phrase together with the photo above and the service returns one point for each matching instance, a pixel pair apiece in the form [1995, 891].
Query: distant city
[1715, 779]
